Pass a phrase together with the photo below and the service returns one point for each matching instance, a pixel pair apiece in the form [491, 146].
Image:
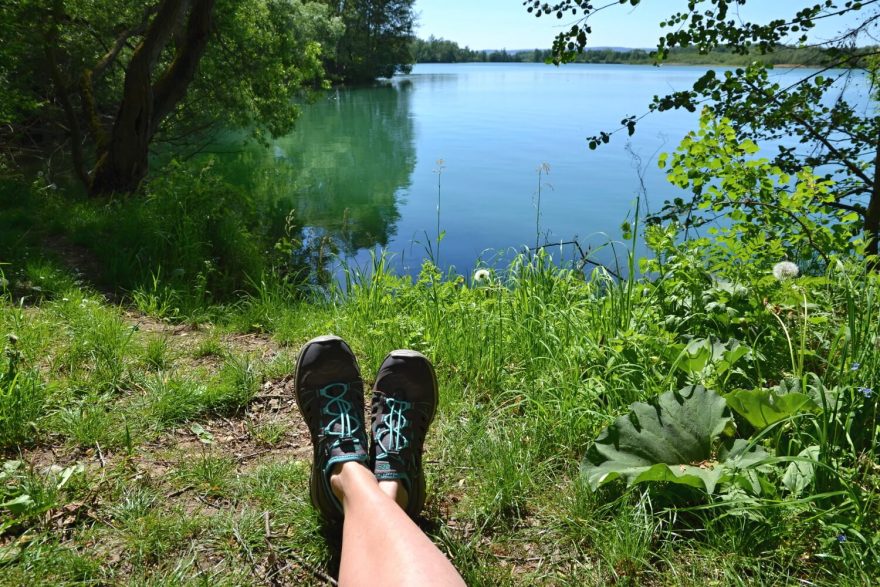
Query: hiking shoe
[404, 404]
[330, 396]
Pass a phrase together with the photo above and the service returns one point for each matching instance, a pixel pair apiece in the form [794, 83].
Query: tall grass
[533, 362]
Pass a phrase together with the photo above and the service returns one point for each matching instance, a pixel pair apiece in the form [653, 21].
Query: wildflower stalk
[803, 336]
[439, 172]
[542, 169]
[794, 366]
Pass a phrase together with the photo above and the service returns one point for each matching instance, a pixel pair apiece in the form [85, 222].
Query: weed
[157, 353]
[209, 473]
[209, 347]
[170, 400]
[269, 433]
[236, 384]
[22, 399]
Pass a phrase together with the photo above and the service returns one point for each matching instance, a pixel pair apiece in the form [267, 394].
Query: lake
[361, 168]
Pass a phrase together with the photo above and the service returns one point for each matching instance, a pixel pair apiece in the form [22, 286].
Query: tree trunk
[123, 162]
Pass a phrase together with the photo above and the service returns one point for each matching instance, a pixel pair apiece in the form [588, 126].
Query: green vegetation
[709, 417]
[832, 132]
[433, 50]
[377, 39]
[118, 79]
[711, 422]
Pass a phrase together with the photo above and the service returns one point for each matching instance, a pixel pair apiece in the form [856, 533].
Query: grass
[182, 419]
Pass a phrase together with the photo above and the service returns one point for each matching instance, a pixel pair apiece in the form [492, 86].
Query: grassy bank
[150, 436]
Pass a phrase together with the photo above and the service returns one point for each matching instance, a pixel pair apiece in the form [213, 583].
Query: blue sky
[500, 24]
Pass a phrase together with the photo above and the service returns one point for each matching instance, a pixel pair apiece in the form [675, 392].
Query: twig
[231, 426]
[584, 260]
[180, 491]
[271, 396]
[249, 456]
[247, 550]
[519, 559]
[100, 455]
[274, 571]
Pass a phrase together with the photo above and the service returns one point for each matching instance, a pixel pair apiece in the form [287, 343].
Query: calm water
[361, 168]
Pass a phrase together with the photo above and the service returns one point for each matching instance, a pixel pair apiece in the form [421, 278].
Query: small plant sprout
[785, 270]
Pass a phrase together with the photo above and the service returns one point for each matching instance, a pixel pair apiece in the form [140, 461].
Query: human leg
[381, 545]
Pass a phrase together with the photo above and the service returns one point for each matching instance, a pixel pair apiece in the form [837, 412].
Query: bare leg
[380, 544]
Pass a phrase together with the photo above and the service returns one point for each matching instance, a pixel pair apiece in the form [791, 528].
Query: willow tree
[110, 76]
[828, 129]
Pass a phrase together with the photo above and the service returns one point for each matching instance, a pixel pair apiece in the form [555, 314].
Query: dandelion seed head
[481, 276]
[785, 270]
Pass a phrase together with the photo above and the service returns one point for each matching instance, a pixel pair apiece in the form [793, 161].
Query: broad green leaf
[68, 472]
[203, 435]
[18, 505]
[763, 407]
[671, 439]
[800, 474]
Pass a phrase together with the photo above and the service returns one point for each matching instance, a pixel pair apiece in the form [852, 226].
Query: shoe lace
[343, 422]
[392, 437]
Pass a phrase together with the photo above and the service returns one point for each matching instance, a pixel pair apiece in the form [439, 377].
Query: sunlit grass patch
[157, 353]
[209, 473]
[22, 401]
[170, 399]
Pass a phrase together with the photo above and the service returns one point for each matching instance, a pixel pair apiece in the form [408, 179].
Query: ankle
[345, 476]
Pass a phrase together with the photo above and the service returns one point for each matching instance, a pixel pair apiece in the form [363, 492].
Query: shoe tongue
[348, 444]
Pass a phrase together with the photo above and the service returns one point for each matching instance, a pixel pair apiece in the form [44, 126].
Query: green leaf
[203, 435]
[67, 473]
[19, 505]
[763, 407]
[671, 439]
[800, 474]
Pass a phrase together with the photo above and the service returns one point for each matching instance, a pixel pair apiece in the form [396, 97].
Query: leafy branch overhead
[821, 125]
[122, 76]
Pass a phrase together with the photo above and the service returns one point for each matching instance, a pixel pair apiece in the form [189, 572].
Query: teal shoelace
[392, 438]
[343, 423]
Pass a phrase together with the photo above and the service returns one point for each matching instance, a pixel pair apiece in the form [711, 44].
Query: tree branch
[172, 86]
[121, 41]
[853, 168]
[794, 217]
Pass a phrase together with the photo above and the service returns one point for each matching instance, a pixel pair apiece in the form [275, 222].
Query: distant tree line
[434, 50]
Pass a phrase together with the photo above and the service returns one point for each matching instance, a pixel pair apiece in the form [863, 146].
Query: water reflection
[341, 171]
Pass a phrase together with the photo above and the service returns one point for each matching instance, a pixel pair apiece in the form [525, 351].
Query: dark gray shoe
[330, 396]
[404, 403]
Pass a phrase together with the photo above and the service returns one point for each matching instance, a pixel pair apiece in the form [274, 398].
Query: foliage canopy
[825, 127]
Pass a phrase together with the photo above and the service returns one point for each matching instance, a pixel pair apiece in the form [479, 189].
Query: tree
[834, 135]
[122, 73]
[377, 39]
